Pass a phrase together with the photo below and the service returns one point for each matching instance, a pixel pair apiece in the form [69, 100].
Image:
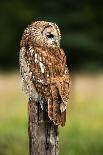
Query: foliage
[80, 22]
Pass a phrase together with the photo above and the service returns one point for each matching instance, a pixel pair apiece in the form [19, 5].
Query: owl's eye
[50, 35]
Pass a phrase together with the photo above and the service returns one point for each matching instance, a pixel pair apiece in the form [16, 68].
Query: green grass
[82, 135]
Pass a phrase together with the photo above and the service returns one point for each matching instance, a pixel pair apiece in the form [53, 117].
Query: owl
[44, 73]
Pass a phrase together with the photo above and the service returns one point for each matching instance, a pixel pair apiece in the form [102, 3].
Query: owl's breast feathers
[46, 74]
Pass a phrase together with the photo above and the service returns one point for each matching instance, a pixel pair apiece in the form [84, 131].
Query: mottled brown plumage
[43, 69]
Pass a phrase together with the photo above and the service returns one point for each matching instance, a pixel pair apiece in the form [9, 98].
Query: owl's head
[43, 33]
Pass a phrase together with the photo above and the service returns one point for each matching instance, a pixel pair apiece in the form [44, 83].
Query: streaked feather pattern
[45, 74]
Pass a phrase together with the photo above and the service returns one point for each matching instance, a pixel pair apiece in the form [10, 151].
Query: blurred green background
[81, 25]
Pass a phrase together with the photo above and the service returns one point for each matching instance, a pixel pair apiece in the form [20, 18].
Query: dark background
[80, 22]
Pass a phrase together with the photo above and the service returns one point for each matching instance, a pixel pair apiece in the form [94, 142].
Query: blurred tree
[81, 23]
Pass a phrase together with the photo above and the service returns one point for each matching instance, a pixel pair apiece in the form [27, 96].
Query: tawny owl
[43, 68]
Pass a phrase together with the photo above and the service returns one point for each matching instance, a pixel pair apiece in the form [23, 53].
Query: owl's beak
[55, 41]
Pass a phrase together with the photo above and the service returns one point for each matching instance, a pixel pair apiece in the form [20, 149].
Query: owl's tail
[54, 107]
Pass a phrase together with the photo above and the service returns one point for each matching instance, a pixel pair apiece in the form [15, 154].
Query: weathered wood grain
[43, 134]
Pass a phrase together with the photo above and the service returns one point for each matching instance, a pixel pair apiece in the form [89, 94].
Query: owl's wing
[60, 90]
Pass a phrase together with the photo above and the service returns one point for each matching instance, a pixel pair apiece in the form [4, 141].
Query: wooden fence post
[43, 134]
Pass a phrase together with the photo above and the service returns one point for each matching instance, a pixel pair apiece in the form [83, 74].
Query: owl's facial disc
[52, 39]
